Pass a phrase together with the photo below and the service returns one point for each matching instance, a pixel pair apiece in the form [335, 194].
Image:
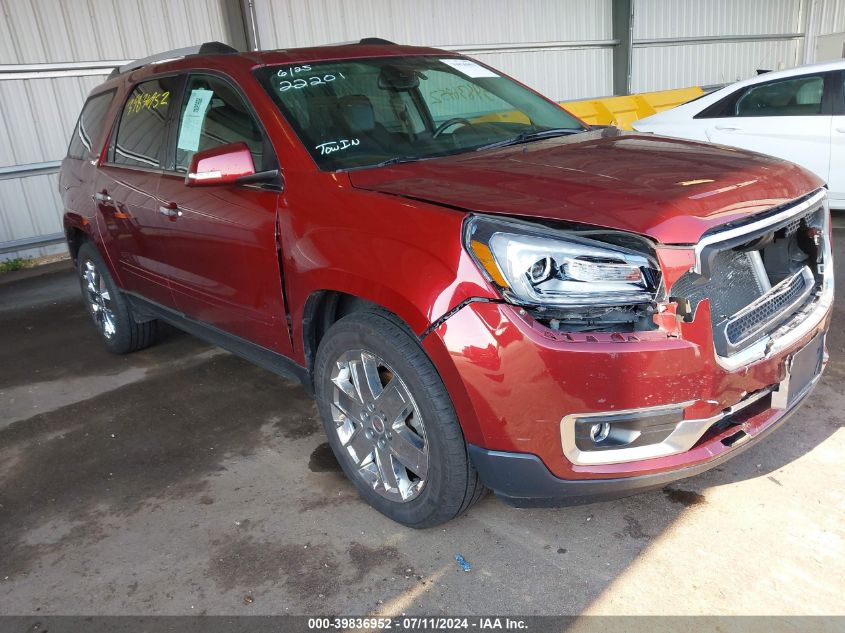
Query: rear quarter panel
[77, 176]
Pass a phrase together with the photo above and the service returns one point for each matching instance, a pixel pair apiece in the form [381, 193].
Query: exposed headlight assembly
[533, 265]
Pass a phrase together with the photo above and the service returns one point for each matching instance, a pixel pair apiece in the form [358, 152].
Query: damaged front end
[637, 358]
[762, 278]
[574, 281]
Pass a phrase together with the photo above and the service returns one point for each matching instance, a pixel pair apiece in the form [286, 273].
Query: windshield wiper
[526, 137]
[393, 161]
[390, 161]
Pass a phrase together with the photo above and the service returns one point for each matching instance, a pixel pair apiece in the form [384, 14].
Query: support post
[622, 17]
[250, 24]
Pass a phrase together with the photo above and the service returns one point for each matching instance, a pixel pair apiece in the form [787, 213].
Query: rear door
[126, 184]
[787, 118]
[221, 241]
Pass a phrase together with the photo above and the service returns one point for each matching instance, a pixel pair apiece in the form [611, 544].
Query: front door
[125, 190]
[221, 241]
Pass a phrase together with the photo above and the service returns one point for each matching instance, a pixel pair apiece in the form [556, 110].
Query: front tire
[391, 423]
[107, 306]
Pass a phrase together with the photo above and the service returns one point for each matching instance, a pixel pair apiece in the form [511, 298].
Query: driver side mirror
[221, 165]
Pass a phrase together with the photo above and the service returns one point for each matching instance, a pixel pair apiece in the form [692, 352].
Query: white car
[796, 114]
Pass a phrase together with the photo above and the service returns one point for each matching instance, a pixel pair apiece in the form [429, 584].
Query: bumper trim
[684, 437]
[523, 480]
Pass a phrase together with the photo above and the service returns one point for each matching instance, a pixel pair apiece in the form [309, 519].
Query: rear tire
[391, 423]
[108, 307]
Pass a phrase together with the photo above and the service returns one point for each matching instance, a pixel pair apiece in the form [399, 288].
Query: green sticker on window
[192, 119]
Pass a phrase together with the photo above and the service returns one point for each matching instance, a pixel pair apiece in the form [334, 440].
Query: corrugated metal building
[53, 51]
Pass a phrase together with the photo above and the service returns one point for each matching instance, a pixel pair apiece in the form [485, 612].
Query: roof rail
[377, 41]
[207, 48]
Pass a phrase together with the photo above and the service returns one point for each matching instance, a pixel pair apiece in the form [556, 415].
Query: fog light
[599, 432]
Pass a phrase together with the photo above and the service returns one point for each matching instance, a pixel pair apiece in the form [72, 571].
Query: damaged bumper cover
[570, 417]
[523, 480]
[524, 381]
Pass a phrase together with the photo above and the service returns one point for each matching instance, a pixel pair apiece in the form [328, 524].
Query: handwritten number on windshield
[298, 83]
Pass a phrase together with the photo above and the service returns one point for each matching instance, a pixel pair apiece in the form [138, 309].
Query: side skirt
[256, 354]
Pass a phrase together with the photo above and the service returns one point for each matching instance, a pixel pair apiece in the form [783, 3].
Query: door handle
[727, 128]
[170, 210]
[102, 196]
[841, 130]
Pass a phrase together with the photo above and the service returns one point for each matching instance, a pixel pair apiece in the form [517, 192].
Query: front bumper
[555, 414]
[514, 382]
[522, 480]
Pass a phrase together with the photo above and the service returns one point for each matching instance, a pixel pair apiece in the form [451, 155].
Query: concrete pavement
[182, 480]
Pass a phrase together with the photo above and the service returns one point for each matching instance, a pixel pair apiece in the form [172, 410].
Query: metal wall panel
[764, 31]
[40, 31]
[291, 23]
[696, 18]
[665, 67]
[825, 17]
[37, 115]
[561, 75]
[831, 16]
[31, 206]
[485, 29]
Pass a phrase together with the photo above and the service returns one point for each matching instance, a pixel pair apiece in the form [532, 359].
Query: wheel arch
[77, 232]
[325, 307]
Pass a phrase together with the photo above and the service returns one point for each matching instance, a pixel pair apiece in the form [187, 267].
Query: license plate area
[801, 370]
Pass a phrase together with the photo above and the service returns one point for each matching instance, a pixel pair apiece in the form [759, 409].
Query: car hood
[668, 189]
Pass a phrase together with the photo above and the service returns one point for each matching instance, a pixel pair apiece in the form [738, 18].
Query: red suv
[479, 289]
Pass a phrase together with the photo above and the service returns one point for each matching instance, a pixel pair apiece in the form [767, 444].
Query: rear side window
[793, 97]
[214, 113]
[141, 133]
[89, 126]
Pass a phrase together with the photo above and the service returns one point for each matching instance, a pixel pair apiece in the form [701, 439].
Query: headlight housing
[534, 265]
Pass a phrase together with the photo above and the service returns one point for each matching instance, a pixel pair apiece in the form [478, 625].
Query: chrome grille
[783, 298]
[779, 316]
[744, 307]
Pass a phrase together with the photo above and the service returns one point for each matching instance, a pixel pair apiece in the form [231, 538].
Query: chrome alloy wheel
[379, 425]
[99, 299]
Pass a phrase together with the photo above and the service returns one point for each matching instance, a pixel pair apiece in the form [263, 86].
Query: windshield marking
[304, 82]
[329, 147]
[469, 92]
[402, 109]
[293, 70]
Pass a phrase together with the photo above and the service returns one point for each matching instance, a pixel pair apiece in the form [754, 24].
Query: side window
[142, 130]
[214, 113]
[801, 96]
[89, 125]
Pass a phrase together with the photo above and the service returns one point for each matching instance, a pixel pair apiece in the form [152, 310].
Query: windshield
[367, 112]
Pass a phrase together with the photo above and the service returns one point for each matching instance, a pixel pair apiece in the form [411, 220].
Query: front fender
[402, 255]
[405, 256]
